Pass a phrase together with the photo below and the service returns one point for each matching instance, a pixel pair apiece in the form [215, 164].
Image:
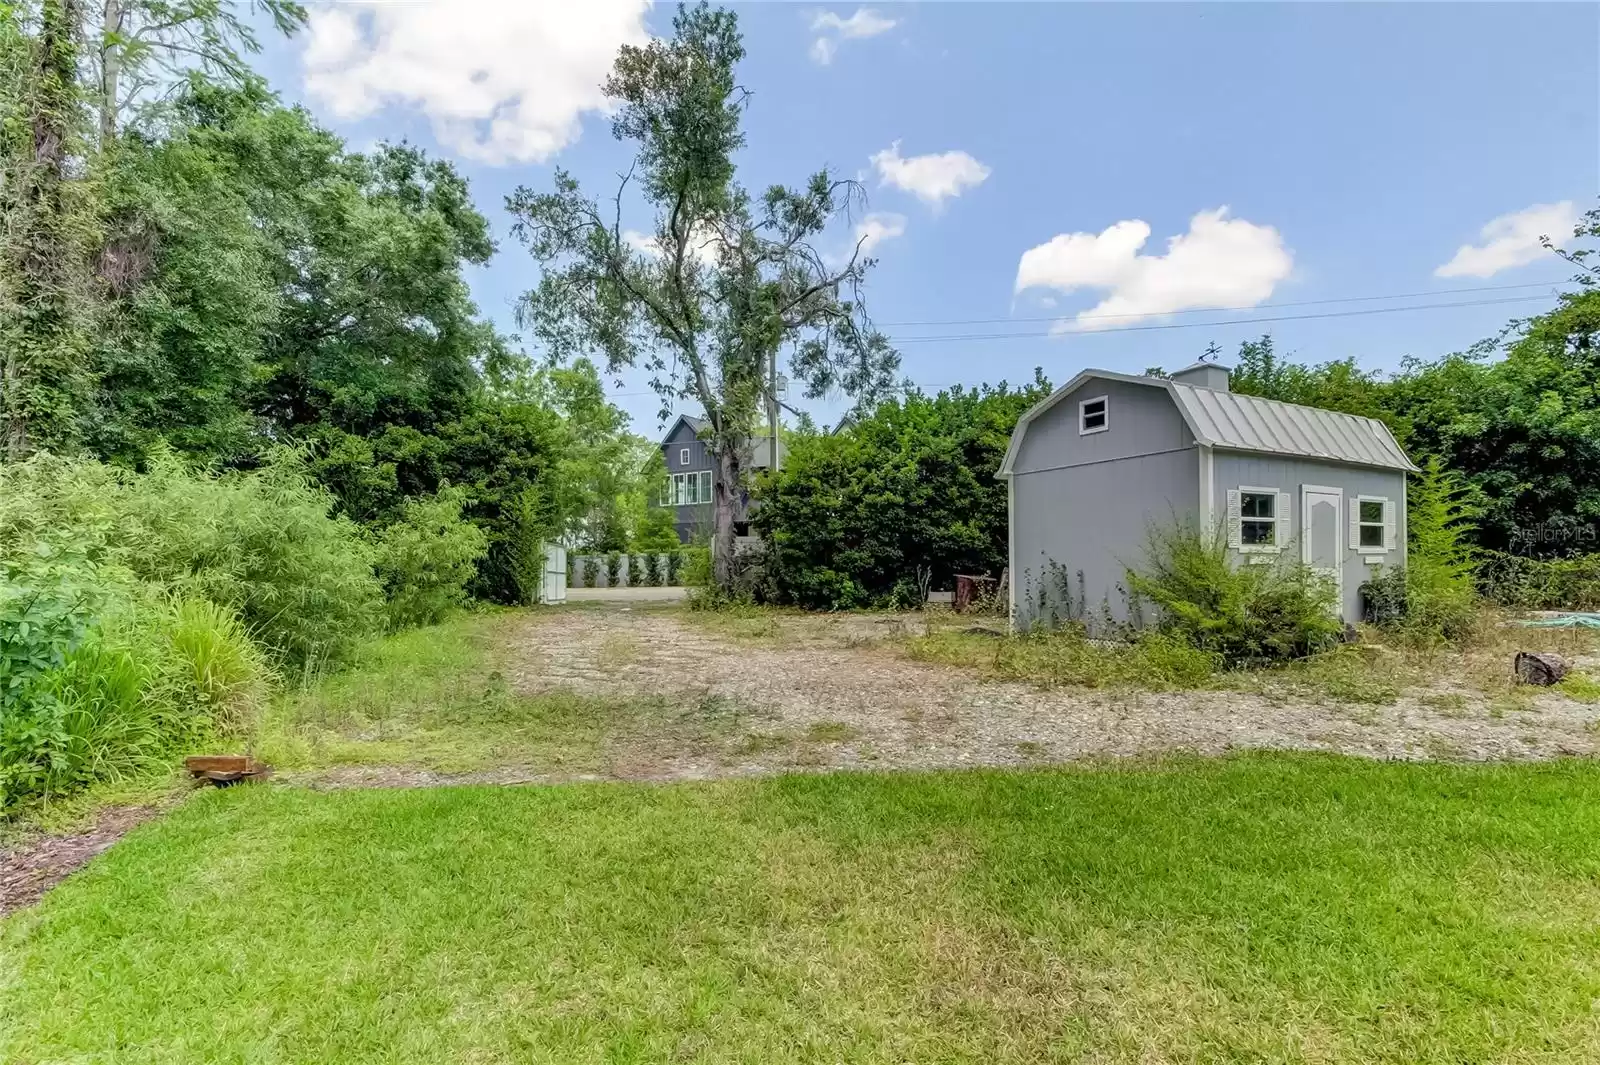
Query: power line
[1211, 325]
[1212, 310]
[951, 338]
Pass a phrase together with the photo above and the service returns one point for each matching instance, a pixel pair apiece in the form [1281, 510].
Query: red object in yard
[969, 588]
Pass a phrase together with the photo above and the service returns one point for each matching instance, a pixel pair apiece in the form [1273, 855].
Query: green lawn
[1262, 908]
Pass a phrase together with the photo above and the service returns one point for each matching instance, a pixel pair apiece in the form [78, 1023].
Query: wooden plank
[217, 763]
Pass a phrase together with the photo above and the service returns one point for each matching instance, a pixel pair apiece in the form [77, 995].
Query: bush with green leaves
[854, 516]
[591, 572]
[692, 565]
[1244, 615]
[148, 678]
[1523, 583]
[613, 568]
[427, 558]
[263, 543]
[652, 569]
[635, 571]
[1433, 597]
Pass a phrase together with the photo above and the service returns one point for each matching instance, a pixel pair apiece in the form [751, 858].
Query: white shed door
[1319, 535]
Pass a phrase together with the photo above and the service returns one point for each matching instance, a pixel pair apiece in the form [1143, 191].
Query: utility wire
[956, 337]
[1209, 325]
[1212, 310]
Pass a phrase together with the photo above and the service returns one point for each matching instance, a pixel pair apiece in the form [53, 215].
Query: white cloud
[932, 178]
[878, 227]
[502, 81]
[1512, 240]
[1221, 262]
[703, 245]
[833, 28]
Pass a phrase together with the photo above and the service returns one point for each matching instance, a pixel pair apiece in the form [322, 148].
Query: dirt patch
[36, 864]
[833, 692]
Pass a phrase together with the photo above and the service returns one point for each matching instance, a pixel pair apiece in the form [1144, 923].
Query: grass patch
[1265, 908]
[1580, 687]
[435, 698]
[1065, 658]
[831, 732]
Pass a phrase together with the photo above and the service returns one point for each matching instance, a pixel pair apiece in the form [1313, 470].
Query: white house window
[1093, 416]
[1372, 526]
[1258, 519]
[683, 456]
[686, 489]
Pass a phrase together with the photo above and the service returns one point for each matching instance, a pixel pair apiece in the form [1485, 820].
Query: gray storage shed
[1100, 460]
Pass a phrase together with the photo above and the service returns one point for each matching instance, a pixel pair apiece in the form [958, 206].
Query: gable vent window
[1092, 416]
[683, 457]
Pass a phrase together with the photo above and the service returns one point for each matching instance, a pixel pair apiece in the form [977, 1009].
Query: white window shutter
[1388, 525]
[1233, 517]
[1281, 514]
[1355, 524]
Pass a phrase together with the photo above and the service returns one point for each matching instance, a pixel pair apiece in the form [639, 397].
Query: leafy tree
[1339, 385]
[1523, 431]
[656, 532]
[48, 226]
[725, 282]
[140, 42]
[854, 519]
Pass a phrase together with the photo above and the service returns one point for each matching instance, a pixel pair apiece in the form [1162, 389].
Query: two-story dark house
[688, 485]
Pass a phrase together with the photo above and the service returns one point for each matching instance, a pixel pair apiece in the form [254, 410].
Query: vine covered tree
[725, 282]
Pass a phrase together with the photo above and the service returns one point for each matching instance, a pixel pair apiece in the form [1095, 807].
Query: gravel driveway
[836, 692]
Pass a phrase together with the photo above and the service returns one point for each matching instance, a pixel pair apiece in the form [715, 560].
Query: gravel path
[835, 692]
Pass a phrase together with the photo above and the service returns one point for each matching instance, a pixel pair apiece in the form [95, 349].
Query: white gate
[553, 589]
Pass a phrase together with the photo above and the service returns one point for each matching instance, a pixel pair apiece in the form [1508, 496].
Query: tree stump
[1534, 667]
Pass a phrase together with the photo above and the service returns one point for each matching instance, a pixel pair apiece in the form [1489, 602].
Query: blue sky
[1356, 149]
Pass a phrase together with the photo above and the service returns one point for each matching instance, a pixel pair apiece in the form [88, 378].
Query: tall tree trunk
[110, 69]
[45, 347]
[725, 500]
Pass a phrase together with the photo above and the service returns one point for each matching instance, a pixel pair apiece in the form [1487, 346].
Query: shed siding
[1142, 420]
[1232, 469]
[1095, 518]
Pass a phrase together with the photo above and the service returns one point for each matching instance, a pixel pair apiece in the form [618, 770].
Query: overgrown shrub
[682, 563]
[1243, 614]
[1523, 583]
[153, 677]
[427, 558]
[906, 496]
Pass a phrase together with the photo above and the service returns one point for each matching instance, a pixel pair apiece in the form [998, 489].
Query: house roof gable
[1236, 422]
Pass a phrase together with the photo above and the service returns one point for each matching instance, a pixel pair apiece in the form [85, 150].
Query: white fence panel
[553, 589]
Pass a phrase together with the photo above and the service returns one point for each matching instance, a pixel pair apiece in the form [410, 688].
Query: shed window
[1258, 519]
[1093, 416]
[683, 456]
[1372, 525]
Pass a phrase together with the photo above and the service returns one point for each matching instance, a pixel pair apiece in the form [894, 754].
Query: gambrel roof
[1234, 422]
